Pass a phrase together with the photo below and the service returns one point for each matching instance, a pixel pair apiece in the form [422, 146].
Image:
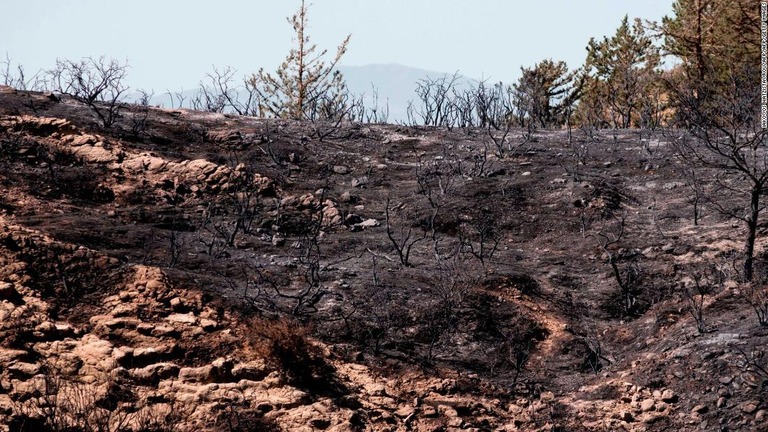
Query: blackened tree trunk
[749, 248]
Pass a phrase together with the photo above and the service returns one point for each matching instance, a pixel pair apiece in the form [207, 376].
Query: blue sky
[171, 44]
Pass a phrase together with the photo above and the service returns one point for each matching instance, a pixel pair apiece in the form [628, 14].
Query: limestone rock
[749, 407]
[254, 370]
[647, 405]
[669, 396]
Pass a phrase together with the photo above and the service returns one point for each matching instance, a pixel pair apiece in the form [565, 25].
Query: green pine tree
[304, 82]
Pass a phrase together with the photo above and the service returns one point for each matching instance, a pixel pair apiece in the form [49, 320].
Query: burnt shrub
[285, 346]
[245, 419]
[82, 186]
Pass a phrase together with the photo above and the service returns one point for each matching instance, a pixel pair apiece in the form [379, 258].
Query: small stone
[404, 411]
[369, 223]
[179, 318]
[626, 416]
[750, 406]
[359, 182]
[202, 374]
[760, 415]
[208, 325]
[375, 389]
[515, 409]
[547, 396]
[8, 292]
[647, 405]
[725, 380]
[340, 169]
[700, 409]
[447, 411]
[429, 411]
[23, 370]
[176, 303]
[255, 370]
[720, 402]
[669, 396]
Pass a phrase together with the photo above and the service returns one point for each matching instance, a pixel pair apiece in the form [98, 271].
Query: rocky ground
[199, 271]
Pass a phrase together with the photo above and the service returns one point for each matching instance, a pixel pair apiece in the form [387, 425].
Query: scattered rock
[749, 407]
[429, 411]
[348, 198]
[375, 389]
[369, 223]
[155, 373]
[278, 239]
[340, 169]
[404, 411]
[700, 409]
[8, 292]
[202, 374]
[179, 318]
[23, 370]
[208, 325]
[359, 181]
[255, 370]
[647, 405]
[447, 411]
[669, 396]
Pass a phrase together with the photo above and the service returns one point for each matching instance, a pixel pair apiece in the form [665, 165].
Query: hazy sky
[172, 43]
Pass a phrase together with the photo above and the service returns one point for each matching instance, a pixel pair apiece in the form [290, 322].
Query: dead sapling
[480, 235]
[693, 179]
[98, 83]
[403, 238]
[213, 231]
[435, 95]
[176, 247]
[626, 271]
[753, 363]
[577, 161]
[139, 120]
[704, 281]
[594, 357]
[329, 112]
[500, 139]
[756, 294]
[448, 290]
[217, 93]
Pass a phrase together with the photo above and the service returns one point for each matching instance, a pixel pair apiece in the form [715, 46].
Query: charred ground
[371, 277]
